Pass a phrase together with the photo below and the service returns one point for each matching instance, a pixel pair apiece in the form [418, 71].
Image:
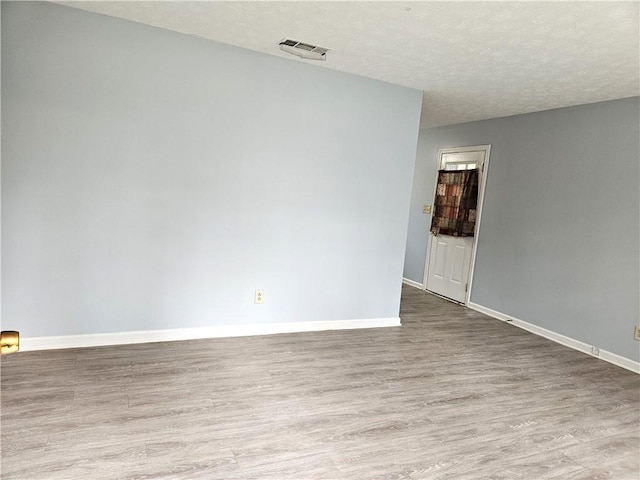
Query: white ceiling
[473, 60]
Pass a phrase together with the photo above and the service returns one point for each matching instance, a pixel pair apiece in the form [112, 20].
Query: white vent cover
[304, 50]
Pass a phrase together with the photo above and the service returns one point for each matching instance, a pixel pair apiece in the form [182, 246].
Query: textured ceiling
[473, 60]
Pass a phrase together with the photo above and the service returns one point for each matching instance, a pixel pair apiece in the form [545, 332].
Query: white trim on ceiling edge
[411, 283]
[559, 338]
[148, 336]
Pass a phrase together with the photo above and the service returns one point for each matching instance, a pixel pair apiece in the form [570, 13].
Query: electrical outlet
[636, 332]
[259, 296]
[426, 208]
[595, 351]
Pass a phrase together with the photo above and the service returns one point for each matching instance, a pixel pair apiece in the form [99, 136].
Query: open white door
[449, 265]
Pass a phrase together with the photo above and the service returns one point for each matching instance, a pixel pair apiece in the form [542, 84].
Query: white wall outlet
[595, 351]
[258, 296]
[636, 333]
[426, 208]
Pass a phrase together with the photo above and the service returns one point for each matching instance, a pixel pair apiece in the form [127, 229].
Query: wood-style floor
[452, 394]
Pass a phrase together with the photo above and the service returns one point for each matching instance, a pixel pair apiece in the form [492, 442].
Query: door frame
[481, 190]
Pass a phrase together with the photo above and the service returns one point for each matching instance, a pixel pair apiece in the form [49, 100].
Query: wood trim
[411, 283]
[148, 336]
[479, 208]
[605, 355]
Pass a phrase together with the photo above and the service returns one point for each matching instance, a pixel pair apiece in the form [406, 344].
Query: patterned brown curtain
[456, 202]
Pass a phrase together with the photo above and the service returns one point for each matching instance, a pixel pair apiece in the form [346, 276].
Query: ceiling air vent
[304, 50]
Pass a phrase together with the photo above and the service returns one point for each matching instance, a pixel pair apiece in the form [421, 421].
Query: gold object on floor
[9, 342]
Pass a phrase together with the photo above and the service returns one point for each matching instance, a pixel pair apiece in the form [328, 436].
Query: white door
[449, 265]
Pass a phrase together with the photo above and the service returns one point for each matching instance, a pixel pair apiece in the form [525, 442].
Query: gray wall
[559, 238]
[154, 180]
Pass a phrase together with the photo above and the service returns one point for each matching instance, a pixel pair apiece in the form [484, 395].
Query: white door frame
[481, 189]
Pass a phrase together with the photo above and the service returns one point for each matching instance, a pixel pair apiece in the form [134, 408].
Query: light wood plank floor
[451, 394]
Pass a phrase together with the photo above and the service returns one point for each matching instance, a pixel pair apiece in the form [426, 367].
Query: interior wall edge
[605, 355]
[412, 283]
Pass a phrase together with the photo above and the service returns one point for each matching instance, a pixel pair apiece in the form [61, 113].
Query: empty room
[320, 240]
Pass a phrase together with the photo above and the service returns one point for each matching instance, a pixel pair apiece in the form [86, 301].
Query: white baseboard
[411, 283]
[559, 338]
[148, 336]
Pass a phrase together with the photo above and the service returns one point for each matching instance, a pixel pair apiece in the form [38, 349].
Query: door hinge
[466, 287]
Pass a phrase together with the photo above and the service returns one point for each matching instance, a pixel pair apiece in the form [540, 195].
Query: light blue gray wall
[559, 239]
[154, 180]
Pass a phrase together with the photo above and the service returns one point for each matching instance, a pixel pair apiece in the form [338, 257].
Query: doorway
[450, 259]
